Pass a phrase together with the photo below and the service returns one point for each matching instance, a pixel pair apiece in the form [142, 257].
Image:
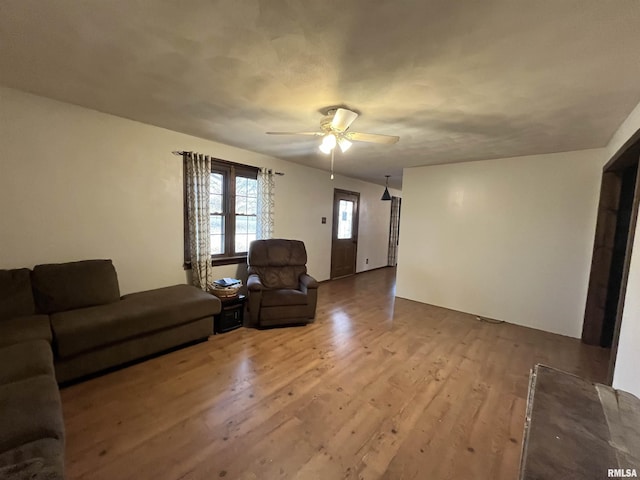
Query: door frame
[627, 155]
[334, 227]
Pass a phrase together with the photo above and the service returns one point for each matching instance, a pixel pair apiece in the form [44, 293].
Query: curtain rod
[181, 153]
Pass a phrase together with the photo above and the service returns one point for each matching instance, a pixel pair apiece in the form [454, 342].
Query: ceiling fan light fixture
[328, 143]
[324, 149]
[386, 195]
[344, 144]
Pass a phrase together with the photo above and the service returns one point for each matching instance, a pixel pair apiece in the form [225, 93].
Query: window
[345, 219]
[233, 198]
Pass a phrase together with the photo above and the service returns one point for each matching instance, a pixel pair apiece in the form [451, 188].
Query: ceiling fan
[334, 130]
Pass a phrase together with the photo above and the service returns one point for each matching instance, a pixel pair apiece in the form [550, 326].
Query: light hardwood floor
[377, 388]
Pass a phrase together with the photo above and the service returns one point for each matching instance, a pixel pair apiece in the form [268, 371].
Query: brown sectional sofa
[64, 321]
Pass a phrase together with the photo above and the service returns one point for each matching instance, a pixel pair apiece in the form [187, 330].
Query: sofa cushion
[282, 297]
[24, 360]
[31, 410]
[65, 286]
[42, 459]
[25, 329]
[136, 314]
[16, 298]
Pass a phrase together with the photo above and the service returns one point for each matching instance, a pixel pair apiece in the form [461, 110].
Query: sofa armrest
[254, 284]
[307, 282]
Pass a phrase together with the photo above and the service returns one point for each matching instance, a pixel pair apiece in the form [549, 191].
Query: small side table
[231, 316]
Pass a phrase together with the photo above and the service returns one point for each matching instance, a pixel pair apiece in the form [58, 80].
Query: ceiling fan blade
[342, 119]
[372, 138]
[315, 134]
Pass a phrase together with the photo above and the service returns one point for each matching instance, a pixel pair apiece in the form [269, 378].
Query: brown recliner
[280, 291]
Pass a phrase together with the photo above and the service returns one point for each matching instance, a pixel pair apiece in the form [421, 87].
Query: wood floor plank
[377, 388]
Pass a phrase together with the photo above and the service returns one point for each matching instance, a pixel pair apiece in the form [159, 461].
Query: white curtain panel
[198, 181]
[266, 203]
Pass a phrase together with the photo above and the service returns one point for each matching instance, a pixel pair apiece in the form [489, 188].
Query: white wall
[509, 239]
[78, 184]
[626, 376]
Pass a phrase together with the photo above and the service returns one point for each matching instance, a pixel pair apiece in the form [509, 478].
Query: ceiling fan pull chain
[332, 154]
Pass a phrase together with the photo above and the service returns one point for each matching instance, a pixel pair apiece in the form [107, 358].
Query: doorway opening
[615, 229]
[344, 243]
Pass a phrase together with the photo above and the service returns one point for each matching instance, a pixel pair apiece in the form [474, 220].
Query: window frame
[230, 171]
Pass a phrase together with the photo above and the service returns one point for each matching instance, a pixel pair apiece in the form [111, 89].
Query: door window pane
[345, 219]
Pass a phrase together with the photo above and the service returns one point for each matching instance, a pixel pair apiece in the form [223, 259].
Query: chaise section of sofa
[95, 329]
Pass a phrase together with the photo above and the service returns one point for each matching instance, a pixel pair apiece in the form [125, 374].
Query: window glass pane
[241, 243]
[241, 205]
[241, 186]
[252, 225]
[216, 183]
[241, 224]
[217, 242]
[252, 206]
[250, 238]
[215, 201]
[252, 187]
[217, 224]
[345, 217]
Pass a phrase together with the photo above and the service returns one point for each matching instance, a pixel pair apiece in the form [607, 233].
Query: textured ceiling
[456, 80]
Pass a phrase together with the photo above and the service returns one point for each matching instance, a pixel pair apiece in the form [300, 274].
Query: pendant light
[386, 195]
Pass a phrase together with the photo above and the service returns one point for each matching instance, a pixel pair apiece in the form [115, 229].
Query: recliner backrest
[278, 262]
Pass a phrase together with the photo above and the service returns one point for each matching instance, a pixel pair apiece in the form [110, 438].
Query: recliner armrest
[254, 284]
[307, 281]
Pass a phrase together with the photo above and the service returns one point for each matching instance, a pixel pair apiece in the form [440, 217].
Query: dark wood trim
[621, 159]
[625, 277]
[217, 262]
[601, 258]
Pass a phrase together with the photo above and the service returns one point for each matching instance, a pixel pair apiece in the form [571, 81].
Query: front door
[344, 245]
